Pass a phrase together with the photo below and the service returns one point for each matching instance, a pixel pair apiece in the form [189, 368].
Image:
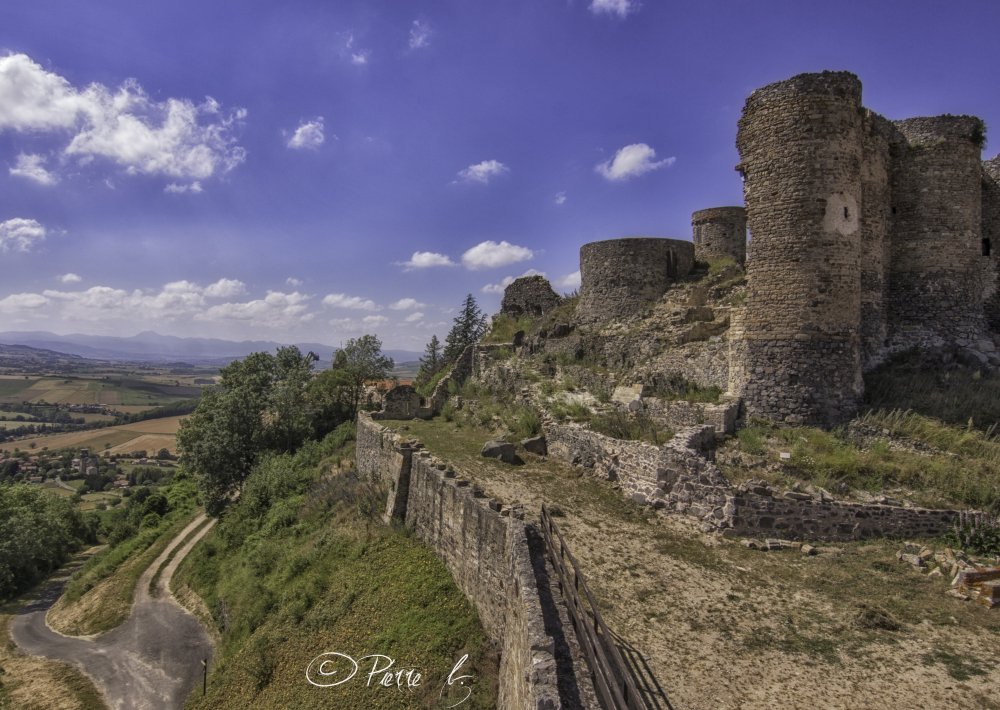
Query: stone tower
[619, 275]
[990, 243]
[795, 354]
[720, 231]
[529, 297]
[936, 268]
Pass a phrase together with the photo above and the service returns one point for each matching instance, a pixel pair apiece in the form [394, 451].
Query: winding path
[151, 661]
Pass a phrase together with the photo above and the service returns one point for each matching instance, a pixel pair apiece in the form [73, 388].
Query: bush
[503, 328]
[448, 411]
[978, 532]
[619, 424]
[521, 420]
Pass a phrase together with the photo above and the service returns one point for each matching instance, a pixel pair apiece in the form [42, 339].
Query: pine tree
[469, 327]
[431, 355]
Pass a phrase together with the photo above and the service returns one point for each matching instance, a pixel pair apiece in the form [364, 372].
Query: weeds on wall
[619, 424]
[503, 328]
[675, 387]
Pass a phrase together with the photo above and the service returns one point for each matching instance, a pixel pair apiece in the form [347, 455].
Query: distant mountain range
[149, 346]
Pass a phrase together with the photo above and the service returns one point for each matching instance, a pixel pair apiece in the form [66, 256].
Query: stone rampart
[529, 297]
[718, 232]
[677, 478]
[990, 244]
[619, 275]
[935, 292]
[489, 554]
[678, 414]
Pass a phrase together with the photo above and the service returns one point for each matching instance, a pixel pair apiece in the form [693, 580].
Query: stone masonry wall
[720, 231]
[991, 242]
[800, 143]
[677, 415]
[935, 293]
[619, 275]
[529, 297]
[677, 478]
[487, 552]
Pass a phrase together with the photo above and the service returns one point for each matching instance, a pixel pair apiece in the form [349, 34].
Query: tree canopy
[469, 327]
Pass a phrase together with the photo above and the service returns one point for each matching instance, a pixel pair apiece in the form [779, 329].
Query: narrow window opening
[894, 210]
[847, 215]
[671, 265]
[986, 247]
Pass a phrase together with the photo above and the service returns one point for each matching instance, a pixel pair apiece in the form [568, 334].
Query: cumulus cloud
[340, 300]
[294, 283]
[175, 189]
[20, 234]
[277, 309]
[176, 137]
[614, 7]
[23, 302]
[631, 161]
[406, 304]
[570, 280]
[360, 58]
[308, 135]
[414, 317]
[483, 171]
[225, 288]
[356, 325]
[489, 255]
[31, 166]
[507, 281]
[424, 260]
[69, 278]
[560, 197]
[420, 35]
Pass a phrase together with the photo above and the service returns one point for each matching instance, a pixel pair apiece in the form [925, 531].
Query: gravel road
[153, 660]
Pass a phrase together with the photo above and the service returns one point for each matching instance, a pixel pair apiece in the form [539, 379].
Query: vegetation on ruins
[337, 394]
[470, 325]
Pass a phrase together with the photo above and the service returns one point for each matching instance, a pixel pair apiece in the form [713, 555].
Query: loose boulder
[499, 450]
[535, 445]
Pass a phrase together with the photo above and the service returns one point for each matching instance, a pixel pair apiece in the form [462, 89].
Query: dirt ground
[709, 624]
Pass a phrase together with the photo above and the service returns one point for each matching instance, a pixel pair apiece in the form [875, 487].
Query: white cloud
[374, 320]
[405, 304]
[175, 137]
[294, 283]
[414, 317]
[614, 7]
[23, 302]
[560, 197]
[507, 281]
[340, 300]
[30, 166]
[308, 135]
[483, 171]
[424, 260]
[630, 161]
[277, 309]
[420, 35]
[69, 278]
[175, 189]
[570, 280]
[353, 325]
[226, 288]
[489, 255]
[360, 58]
[20, 234]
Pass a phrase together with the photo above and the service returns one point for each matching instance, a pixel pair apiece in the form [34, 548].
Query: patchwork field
[117, 392]
[151, 435]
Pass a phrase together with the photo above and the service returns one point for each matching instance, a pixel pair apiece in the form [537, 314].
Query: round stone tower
[990, 244]
[795, 354]
[720, 231]
[619, 275]
[936, 273]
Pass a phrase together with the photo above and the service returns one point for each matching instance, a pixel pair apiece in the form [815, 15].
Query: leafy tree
[336, 394]
[469, 327]
[260, 405]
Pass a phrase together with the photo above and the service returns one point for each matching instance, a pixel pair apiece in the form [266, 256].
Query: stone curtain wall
[677, 478]
[676, 415]
[991, 232]
[487, 552]
[935, 289]
[800, 147]
[619, 275]
[877, 135]
[529, 297]
[720, 231]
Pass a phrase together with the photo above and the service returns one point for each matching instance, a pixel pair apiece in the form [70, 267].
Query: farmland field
[128, 392]
[10, 387]
[151, 435]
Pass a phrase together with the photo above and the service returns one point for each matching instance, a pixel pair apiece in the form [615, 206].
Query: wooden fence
[608, 671]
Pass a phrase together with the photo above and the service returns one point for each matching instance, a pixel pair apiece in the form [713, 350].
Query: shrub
[619, 424]
[978, 532]
[502, 353]
[448, 411]
[503, 328]
[523, 421]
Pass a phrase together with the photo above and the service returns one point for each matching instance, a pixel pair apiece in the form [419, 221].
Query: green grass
[9, 387]
[503, 328]
[319, 573]
[638, 427]
[831, 460]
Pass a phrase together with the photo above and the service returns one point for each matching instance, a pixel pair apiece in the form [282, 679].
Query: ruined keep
[990, 243]
[869, 237]
[719, 232]
[529, 297]
[619, 275]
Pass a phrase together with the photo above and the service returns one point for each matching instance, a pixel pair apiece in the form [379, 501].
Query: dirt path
[152, 661]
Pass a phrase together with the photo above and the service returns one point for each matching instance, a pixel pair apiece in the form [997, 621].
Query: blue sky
[312, 171]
